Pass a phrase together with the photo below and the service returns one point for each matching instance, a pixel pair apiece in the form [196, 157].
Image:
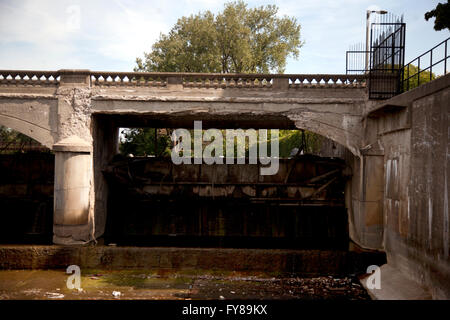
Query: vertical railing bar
[431, 64]
[346, 62]
[407, 83]
[445, 61]
[418, 72]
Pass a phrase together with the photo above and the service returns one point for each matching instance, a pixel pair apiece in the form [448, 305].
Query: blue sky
[108, 35]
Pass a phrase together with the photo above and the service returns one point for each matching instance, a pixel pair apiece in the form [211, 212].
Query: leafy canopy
[413, 77]
[12, 141]
[238, 39]
[442, 15]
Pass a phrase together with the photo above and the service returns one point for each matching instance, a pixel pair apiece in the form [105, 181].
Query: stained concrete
[394, 285]
[413, 131]
[78, 102]
[280, 261]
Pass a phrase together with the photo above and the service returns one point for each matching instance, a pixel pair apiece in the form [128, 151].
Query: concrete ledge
[396, 286]
[73, 144]
[75, 77]
[304, 262]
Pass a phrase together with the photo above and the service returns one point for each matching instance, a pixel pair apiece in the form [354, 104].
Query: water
[164, 285]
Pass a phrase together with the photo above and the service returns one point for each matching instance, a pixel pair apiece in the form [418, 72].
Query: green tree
[238, 39]
[442, 15]
[290, 139]
[145, 141]
[11, 138]
[411, 72]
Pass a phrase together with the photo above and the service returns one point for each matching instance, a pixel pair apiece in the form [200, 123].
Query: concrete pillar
[106, 145]
[73, 172]
[372, 200]
[366, 191]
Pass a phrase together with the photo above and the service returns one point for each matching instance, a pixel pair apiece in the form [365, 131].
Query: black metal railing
[384, 58]
[387, 58]
[355, 61]
[420, 70]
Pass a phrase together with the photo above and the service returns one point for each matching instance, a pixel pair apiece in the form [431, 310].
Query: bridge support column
[371, 201]
[72, 200]
[367, 191]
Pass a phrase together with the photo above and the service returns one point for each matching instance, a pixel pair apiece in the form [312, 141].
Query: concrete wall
[413, 130]
[106, 137]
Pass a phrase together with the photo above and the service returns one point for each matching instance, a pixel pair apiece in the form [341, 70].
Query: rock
[54, 295]
[116, 294]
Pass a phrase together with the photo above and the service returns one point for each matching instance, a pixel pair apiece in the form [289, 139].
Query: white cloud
[126, 33]
[108, 30]
[28, 22]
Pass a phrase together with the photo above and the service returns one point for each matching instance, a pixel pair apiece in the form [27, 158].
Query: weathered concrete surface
[73, 179]
[336, 118]
[396, 286]
[413, 129]
[71, 103]
[300, 262]
[66, 107]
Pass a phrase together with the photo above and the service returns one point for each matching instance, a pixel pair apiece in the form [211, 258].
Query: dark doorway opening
[26, 190]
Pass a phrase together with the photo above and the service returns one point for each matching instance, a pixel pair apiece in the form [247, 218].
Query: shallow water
[164, 285]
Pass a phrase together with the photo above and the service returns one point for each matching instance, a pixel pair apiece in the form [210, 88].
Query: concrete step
[283, 261]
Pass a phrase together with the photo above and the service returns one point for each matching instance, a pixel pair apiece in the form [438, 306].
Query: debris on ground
[116, 294]
[157, 285]
[54, 295]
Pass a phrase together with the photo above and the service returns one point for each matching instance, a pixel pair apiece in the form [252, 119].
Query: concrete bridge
[397, 149]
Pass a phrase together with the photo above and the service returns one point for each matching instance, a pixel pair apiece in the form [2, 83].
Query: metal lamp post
[368, 13]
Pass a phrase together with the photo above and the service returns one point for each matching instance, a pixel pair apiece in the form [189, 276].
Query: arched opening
[26, 189]
[32, 130]
[151, 201]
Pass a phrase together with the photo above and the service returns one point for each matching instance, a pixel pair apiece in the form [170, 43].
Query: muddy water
[161, 285]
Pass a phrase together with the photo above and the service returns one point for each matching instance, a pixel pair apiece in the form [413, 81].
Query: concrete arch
[38, 133]
[341, 133]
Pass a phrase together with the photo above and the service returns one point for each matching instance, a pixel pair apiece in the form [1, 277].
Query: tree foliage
[442, 15]
[145, 141]
[290, 139]
[13, 140]
[238, 39]
[415, 78]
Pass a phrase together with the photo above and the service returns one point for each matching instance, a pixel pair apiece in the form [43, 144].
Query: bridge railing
[29, 77]
[426, 67]
[186, 80]
[229, 80]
